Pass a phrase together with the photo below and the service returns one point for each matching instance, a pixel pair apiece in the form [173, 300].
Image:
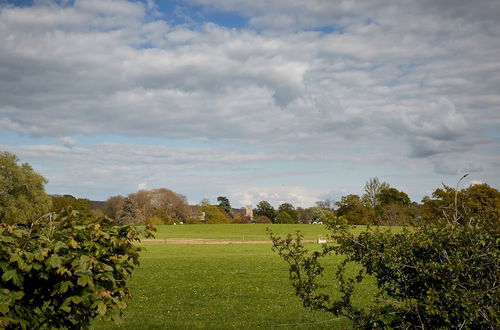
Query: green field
[221, 286]
[256, 232]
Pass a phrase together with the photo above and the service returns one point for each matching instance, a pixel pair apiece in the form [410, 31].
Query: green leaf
[101, 308]
[11, 275]
[4, 308]
[54, 261]
[84, 280]
[65, 286]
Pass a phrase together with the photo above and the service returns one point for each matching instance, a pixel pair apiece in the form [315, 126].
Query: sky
[278, 100]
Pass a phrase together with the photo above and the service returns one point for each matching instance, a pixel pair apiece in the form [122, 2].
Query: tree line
[23, 197]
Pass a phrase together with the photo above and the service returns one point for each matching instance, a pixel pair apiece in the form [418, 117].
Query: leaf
[54, 261]
[84, 280]
[65, 286]
[101, 308]
[11, 275]
[4, 308]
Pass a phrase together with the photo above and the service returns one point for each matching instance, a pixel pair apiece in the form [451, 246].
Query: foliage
[214, 215]
[128, 214]
[113, 206]
[284, 217]
[478, 201]
[444, 275]
[242, 219]
[355, 210]
[225, 206]
[81, 205]
[322, 215]
[22, 192]
[391, 195]
[290, 209]
[265, 209]
[55, 274]
[327, 204]
[149, 202]
[372, 191]
[394, 214]
[262, 219]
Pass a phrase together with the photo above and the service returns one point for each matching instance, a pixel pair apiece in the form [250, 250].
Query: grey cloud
[424, 77]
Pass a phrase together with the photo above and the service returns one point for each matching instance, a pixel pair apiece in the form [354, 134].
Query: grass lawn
[231, 286]
[237, 232]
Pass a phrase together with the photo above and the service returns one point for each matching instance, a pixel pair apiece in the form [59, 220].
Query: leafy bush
[443, 275]
[54, 274]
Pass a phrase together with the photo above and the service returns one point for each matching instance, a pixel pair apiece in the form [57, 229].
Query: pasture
[222, 286]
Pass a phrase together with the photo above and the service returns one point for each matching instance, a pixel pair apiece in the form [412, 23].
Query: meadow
[223, 286]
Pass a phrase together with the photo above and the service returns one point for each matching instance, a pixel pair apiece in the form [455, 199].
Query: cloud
[68, 141]
[315, 81]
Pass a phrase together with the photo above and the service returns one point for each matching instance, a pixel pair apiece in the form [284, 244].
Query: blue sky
[285, 101]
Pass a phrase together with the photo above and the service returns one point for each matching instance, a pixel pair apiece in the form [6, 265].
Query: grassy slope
[221, 286]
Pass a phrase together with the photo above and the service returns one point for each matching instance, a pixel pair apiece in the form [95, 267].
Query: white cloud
[416, 79]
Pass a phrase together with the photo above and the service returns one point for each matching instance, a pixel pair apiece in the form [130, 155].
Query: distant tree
[225, 206]
[113, 206]
[372, 191]
[479, 201]
[290, 209]
[305, 214]
[82, 205]
[393, 196]
[22, 191]
[149, 202]
[284, 217]
[214, 215]
[320, 215]
[128, 214]
[265, 209]
[355, 210]
[262, 219]
[327, 204]
[242, 219]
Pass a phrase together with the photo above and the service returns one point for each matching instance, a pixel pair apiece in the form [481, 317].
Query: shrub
[57, 275]
[262, 219]
[444, 275]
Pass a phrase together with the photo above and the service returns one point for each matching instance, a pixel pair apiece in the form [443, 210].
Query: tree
[214, 215]
[56, 275]
[476, 201]
[355, 210]
[327, 204]
[225, 206]
[372, 190]
[262, 219]
[265, 209]
[128, 214]
[82, 205]
[442, 275]
[389, 195]
[149, 202]
[290, 209]
[284, 217]
[22, 191]
[113, 206]
[394, 207]
[320, 215]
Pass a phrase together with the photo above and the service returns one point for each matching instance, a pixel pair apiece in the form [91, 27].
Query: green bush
[57, 275]
[443, 275]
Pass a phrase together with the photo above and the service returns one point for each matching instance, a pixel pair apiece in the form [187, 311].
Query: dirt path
[205, 241]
